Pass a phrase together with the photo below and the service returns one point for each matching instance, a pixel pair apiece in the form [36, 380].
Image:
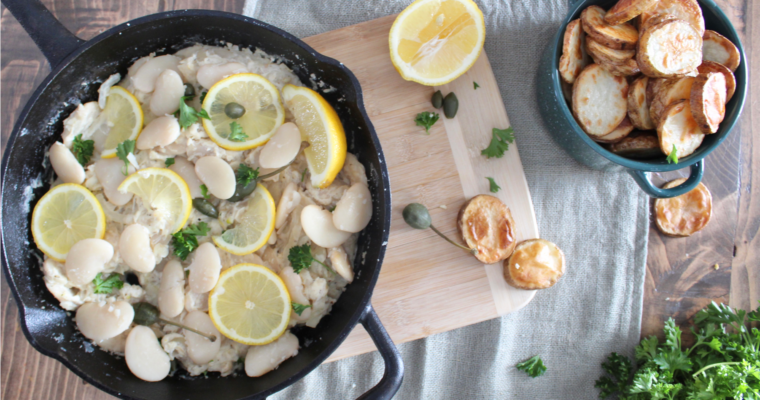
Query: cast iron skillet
[78, 68]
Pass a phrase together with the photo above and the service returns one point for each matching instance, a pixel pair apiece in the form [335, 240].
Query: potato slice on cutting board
[603, 53]
[535, 264]
[486, 224]
[638, 145]
[574, 57]
[623, 36]
[670, 49]
[626, 10]
[686, 214]
[638, 105]
[600, 100]
[618, 134]
[708, 101]
[711, 66]
[687, 10]
[678, 128]
[668, 92]
[715, 47]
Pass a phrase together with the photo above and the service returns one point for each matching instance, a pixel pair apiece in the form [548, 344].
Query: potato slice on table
[599, 100]
[626, 10]
[715, 47]
[668, 92]
[678, 128]
[711, 66]
[686, 214]
[687, 10]
[618, 134]
[623, 36]
[638, 105]
[604, 53]
[670, 49]
[535, 264]
[638, 145]
[573, 53]
[486, 224]
[708, 101]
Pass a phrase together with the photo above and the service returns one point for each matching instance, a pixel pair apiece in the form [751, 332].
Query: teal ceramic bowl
[559, 120]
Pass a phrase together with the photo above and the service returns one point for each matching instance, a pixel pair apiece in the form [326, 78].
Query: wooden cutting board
[427, 286]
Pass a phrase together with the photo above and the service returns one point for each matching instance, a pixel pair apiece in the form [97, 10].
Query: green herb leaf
[106, 286]
[300, 258]
[236, 132]
[493, 186]
[122, 151]
[475, 85]
[299, 308]
[500, 140]
[188, 115]
[533, 366]
[203, 95]
[82, 149]
[619, 369]
[246, 174]
[426, 120]
[204, 192]
[673, 156]
[169, 162]
[185, 241]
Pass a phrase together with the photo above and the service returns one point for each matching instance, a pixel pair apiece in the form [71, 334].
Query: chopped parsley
[82, 149]
[186, 241]
[500, 140]
[299, 308]
[122, 151]
[236, 133]
[533, 366]
[188, 115]
[300, 258]
[106, 286]
[426, 120]
[204, 192]
[475, 85]
[493, 186]
[169, 162]
[246, 174]
[673, 156]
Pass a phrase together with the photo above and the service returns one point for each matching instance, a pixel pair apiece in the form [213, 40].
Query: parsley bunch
[186, 240]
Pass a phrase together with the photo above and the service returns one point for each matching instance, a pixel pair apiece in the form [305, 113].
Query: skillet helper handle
[394, 365]
[53, 39]
[697, 171]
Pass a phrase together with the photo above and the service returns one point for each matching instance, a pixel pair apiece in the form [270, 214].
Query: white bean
[200, 349]
[318, 225]
[109, 172]
[65, 164]
[354, 210]
[339, 261]
[261, 359]
[162, 131]
[210, 74]
[115, 344]
[145, 77]
[145, 356]
[167, 94]
[282, 148]
[103, 321]
[135, 250]
[294, 283]
[288, 202]
[205, 268]
[186, 170]
[171, 294]
[217, 175]
[86, 259]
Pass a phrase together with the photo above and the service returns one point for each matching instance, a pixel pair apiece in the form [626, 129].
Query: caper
[234, 110]
[418, 217]
[147, 314]
[450, 105]
[242, 191]
[205, 207]
[189, 90]
[437, 99]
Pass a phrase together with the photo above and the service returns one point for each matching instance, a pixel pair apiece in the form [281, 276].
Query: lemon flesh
[253, 228]
[124, 118]
[165, 192]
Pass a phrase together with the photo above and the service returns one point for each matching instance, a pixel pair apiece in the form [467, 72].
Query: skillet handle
[394, 365]
[53, 39]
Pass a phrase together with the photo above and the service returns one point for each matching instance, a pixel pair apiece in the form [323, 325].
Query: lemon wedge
[124, 118]
[165, 192]
[253, 228]
[433, 42]
[65, 215]
[321, 127]
[262, 115]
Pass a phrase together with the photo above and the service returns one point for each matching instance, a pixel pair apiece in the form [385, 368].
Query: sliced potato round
[715, 47]
[711, 66]
[668, 92]
[657, 19]
[535, 264]
[622, 36]
[567, 90]
[708, 101]
[603, 53]
[486, 224]
[638, 145]
[629, 68]
[678, 128]
[622, 130]
[638, 105]
[686, 214]
[599, 100]
[573, 53]
[687, 10]
[626, 10]
[670, 49]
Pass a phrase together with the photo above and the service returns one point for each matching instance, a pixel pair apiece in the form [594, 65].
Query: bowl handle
[394, 365]
[695, 176]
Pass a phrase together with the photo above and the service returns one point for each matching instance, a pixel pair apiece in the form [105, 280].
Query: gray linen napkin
[600, 220]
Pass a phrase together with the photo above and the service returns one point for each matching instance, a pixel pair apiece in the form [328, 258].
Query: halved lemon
[262, 116]
[165, 192]
[433, 42]
[321, 127]
[124, 118]
[65, 215]
[250, 304]
[253, 228]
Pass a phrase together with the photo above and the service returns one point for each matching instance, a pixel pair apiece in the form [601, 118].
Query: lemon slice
[263, 110]
[250, 304]
[124, 118]
[433, 42]
[253, 227]
[165, 192]
[65, 215]
[321, 127]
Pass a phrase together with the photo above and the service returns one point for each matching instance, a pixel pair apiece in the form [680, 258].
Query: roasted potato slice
[686, 214]
[708, 101]
[657, 19]
[678, 128]
[715, 47]
[535, 264]
[629, 68]
[670, 49]
[601, 52]
[573, 53]
[626, 10]
[599, 100]
[667, 93]
[638, 105]
[486, 224]
[687, 10]
[620, 37]
[618, 134]
[638, 145]
[711, 66]
[567, 90]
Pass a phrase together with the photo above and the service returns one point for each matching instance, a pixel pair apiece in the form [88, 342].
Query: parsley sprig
[500, 140]
[169, 162]
[673, 156]
[426, 120]
[188, 115]
[236, 132]
[82, 149]
[122, 151]
[246, 174]
[493, 186]
[186, 240]
[299, 308]
[300, 258]
[106, 286]
[204, 192]
[533, 366]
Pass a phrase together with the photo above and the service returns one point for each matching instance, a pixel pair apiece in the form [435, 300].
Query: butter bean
[86, 259]
[288, 202]
[217, 175]
[169, 89]
[186, 170]
[109, 172]
[65, 164]
[354, 210]
[210, 74]
[200, 349]
[145, 77]
[282, 148]
[318, 225]
[99, 321]
[340, 263]
[135, 250]
[162, 131]
[205, 268]
[261, 359]
[171, 294]
[144, 355]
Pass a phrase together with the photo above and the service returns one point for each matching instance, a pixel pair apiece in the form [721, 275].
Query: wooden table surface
[681, 276]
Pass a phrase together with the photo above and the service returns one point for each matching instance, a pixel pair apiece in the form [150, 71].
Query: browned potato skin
[686, 214]
[567, 69]
[734, 57]
[707, 109]
[638, 104]
[641, 144]
[626, 10]
[626, 41]
[656, 20]
[524, 270]
[666, 93]
[620, 133]
[597, 51]
[486, 224]
[628, 68]
[711, 66]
